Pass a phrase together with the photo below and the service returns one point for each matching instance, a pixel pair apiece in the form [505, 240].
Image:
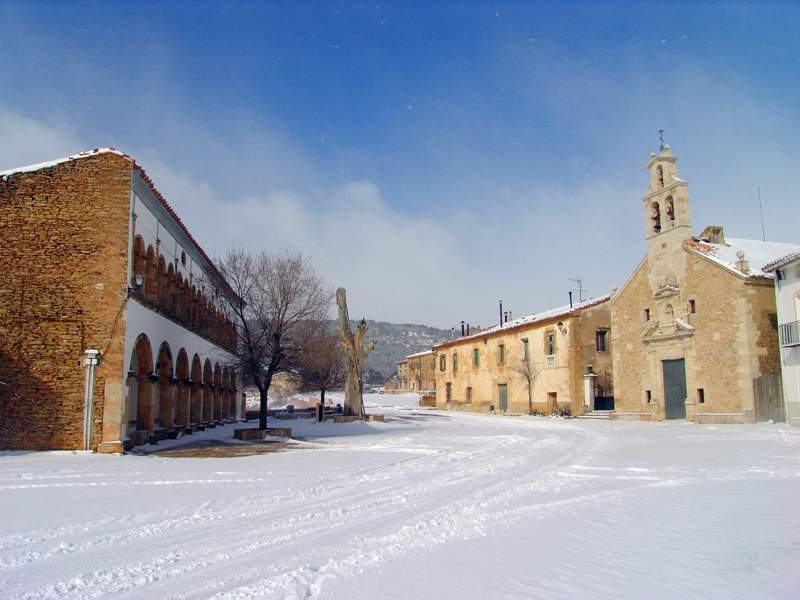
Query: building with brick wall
[96, 267]
[786, 271]
[562, 356]
[694, 331]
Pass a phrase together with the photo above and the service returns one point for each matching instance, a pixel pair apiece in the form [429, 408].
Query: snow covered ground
[427, 505]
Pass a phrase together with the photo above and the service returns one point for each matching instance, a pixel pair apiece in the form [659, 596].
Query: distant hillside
[393, 341]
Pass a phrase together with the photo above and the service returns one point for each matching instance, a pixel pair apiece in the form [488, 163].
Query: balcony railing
[550, 361]
[790, 334]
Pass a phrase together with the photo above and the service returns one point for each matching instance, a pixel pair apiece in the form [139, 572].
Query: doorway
[674, 389]
[503, 393]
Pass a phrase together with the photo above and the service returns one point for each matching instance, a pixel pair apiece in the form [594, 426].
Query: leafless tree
[529, 371]
[276, 296]
[321, 363]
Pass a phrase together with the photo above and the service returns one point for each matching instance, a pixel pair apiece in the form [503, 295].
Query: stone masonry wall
[63, 264]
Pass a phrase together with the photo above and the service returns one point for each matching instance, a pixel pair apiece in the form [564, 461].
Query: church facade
[694, 330]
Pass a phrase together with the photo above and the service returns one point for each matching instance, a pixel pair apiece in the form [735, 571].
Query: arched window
[655, 216]
[169, 294]
[178, 296]
[139, 260]
[669, 205]
[161, 281]
[669, 314]
[150, 276]
[660, 176]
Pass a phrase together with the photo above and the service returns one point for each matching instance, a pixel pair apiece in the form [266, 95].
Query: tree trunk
[322, 396]
[262, 409]
[530, 400]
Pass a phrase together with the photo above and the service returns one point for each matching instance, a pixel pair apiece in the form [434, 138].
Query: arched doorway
[166, 389]
[196, 412]
[182, 389]
[208, 394]
[217, 392]
[141, 414]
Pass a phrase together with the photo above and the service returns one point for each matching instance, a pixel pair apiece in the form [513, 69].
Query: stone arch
[217, 392]
[655, 216]
[161, 288]
[182, 391]
[178, 303]
[669, 314]
[208, 392]
[150, 274]
[140, 389]
[169, 296]
[139, 260]
[196, 412]
[166, 388]
[669, 208]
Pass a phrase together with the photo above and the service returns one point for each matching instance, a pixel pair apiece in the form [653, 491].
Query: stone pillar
[196, 412]
[166, 403]
[183, 404]
[588, 392]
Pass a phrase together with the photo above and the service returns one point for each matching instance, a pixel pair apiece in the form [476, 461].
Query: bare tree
[321, 363]
[529, 371]
[276, 296]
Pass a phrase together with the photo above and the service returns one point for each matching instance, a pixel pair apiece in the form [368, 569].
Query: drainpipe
[91, 358]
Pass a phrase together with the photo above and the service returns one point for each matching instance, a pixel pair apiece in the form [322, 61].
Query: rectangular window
[501, 354]
[646, 314]
[601, 338]
[648, 396]
[469, 395]
[701, 396]
[442, 362]
[476, 358]
[525, 354]
[455, 362]
[692, 307]
[550, 343]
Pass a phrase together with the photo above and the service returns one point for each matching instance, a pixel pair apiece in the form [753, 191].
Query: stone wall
[63, 262]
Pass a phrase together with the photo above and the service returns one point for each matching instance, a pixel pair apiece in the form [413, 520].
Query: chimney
[467, 328]
[510, 318]
[505, 317]
[714, 234]
[462, 328]
[570, 299]
[478, 328]
[501, 313]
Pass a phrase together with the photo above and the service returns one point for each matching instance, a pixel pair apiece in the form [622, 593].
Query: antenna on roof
[579, 281]
[761, 210]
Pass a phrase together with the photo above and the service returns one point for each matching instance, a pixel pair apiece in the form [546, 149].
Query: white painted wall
[787, 298]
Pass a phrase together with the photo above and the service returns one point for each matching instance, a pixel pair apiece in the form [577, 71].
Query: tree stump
[356, 350]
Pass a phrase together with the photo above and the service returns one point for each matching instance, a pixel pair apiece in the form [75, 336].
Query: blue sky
[471, 151]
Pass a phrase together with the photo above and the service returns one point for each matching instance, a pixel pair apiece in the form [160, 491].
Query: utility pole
[579, 281]
[761, 210]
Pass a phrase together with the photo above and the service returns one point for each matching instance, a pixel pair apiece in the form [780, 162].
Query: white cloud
[25, 141]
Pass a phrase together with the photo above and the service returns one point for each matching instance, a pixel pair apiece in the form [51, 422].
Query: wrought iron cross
[661, 140]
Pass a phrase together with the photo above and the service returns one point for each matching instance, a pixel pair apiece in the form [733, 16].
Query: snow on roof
[546, 315]
[58, 161]
[415, 355]
[781, 262]
[756, 253]
[4, 175]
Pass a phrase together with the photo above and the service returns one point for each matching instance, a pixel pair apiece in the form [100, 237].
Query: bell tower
[666, 219]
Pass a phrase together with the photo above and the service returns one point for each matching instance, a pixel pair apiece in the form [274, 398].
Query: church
[694, 328]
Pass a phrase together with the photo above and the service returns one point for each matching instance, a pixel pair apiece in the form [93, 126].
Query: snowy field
[427, 505]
